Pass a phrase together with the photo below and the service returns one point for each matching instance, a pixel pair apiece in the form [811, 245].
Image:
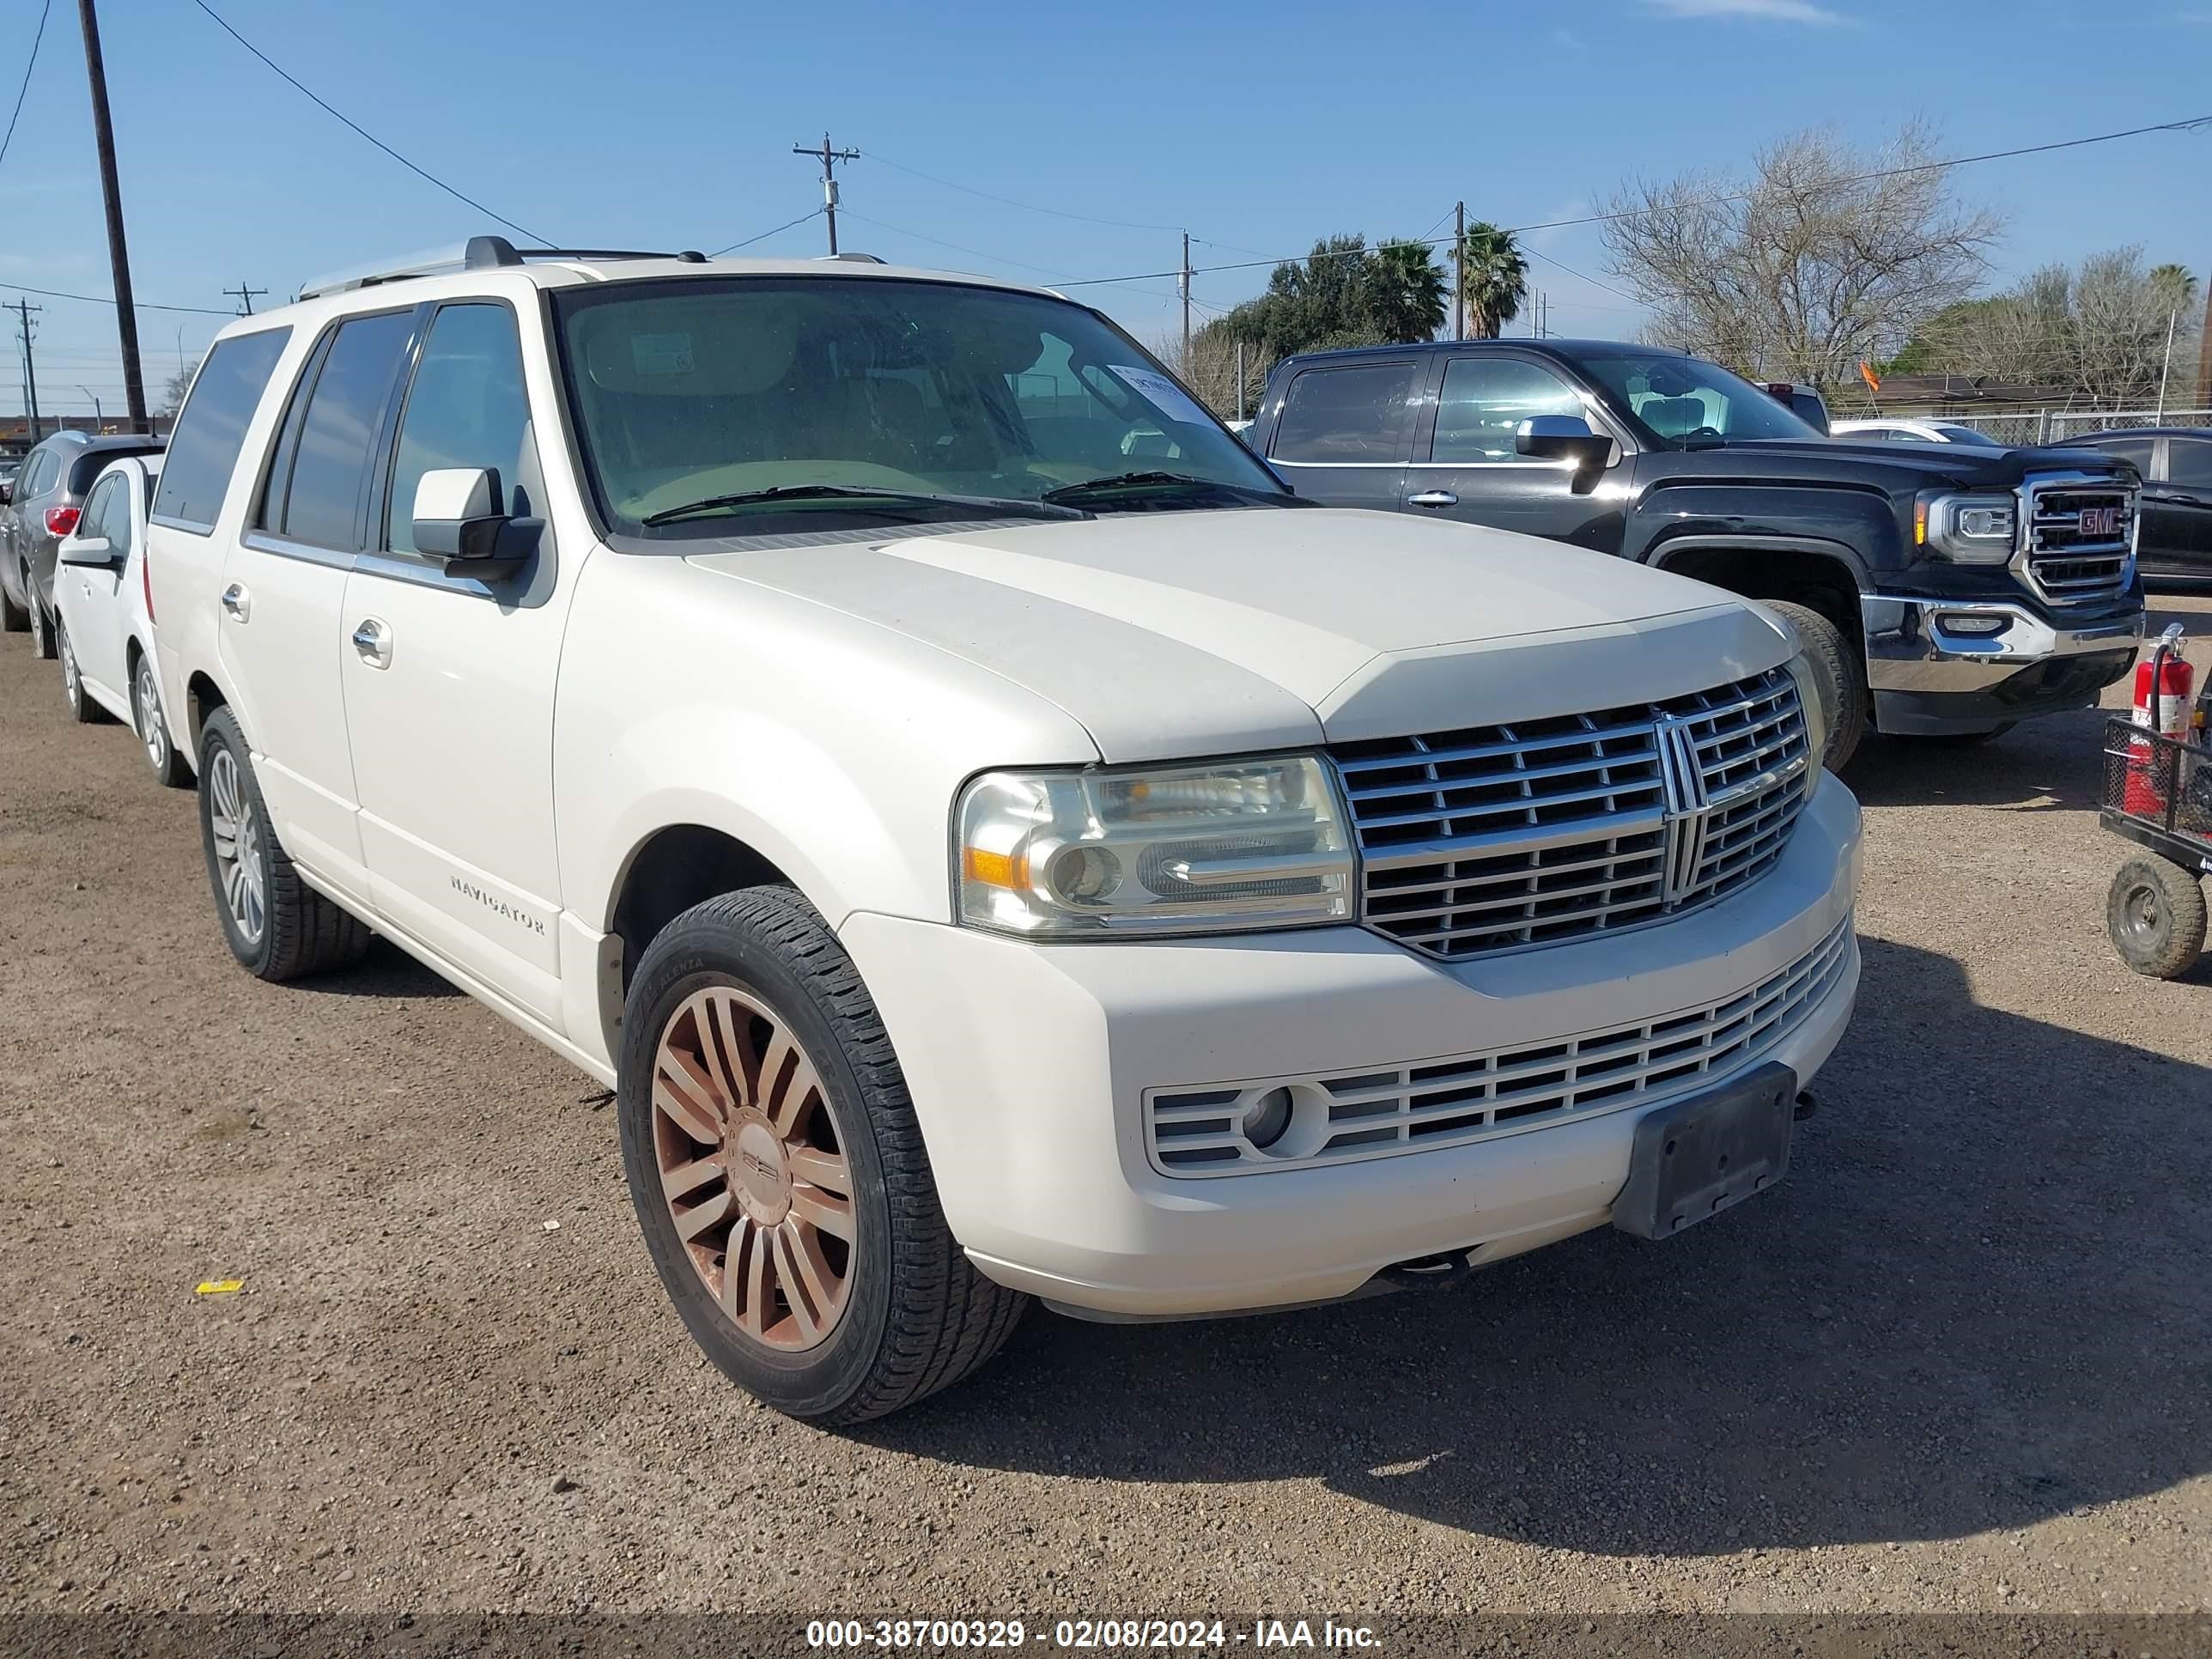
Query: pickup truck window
[1338, 417]
[2189, 463]
[320, 503]
[1686, 403]
[1483, 403]
[212, 430]
[467, 407]
[703, 394]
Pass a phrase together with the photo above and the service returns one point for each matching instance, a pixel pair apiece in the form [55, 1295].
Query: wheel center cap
[760, 1175]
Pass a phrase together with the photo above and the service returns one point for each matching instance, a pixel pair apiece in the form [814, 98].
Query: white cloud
[1776, 11]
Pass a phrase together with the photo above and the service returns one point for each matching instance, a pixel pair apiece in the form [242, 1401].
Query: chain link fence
[2055, 425]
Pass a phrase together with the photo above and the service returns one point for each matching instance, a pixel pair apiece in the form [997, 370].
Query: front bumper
[1940, 666]
[1030, 1067]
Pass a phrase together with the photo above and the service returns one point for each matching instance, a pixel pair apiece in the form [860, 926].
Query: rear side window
[315, 488]
[2189, 463]
[107, 513]
[212, 430]
[2134, 451]
[86, 467]
[1333, 416]
[467, 408]
[42, 473]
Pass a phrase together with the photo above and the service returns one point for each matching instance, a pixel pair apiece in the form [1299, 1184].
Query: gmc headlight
[1801, 670]
[1967, 529]
[1211, 848]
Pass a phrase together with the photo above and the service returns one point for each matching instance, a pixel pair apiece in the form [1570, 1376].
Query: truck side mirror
[458, 511]
[1565, 438]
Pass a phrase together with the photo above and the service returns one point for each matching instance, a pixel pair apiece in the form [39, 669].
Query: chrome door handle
[1433, 498]
[372, 643]
[236, 601]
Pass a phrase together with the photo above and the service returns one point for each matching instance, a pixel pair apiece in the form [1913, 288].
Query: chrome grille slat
[1384, 1111]
[2062, 566]
[1488, 839]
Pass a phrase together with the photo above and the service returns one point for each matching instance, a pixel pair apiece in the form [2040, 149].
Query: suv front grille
[1336, 1118]
[1497, 837]
[2079, 537]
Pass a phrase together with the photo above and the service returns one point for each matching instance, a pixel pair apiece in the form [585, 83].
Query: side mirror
[94, 550]
[1565, 438]
[458, 511]
[7, 491]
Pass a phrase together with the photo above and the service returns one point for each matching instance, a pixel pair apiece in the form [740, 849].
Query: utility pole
[1459, 270]
[118, 255]
[23, 309]
[829, 158]
[245, 296]
[1183, 285]
[1240, 379]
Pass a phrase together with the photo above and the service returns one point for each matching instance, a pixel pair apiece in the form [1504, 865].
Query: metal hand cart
[2158, 794]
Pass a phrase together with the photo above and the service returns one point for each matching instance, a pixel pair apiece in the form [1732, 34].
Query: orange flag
[1872, 379]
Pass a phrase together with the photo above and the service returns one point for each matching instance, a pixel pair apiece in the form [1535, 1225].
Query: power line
[2190, 124]
[356, 126]
[108, 300]
[1000, 259]
[1539, 254]
[764, 235]
[26, 87]
[1027, 207]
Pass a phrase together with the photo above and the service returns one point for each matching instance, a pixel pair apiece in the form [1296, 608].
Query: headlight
[1967, 529]
[1211, 848]
[1808, 679]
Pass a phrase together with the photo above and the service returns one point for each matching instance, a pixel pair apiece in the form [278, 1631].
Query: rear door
[284, 588]
[1345, 430]
[2184, 501]
[1466, 467]
[94, 612]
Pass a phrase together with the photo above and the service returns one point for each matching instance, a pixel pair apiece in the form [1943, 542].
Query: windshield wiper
[1009, 504]
[1155, 483]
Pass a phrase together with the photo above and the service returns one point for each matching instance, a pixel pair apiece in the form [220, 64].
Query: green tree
[1406, 292]
[1497, 279]
[1344, 294]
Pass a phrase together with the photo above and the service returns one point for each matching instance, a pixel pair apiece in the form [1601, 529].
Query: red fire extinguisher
[2163, 684]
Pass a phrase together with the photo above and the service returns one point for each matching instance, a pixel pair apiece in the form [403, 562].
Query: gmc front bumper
[1937, 666]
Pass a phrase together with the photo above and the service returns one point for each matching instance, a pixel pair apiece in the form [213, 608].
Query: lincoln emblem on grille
[1688, 810]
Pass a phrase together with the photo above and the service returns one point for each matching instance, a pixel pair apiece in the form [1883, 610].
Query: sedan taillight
[60, 520]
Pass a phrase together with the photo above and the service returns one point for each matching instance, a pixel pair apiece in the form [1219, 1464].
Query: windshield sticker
[661, 353]
[1164, 394]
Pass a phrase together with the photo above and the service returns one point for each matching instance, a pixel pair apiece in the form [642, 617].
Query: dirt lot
[1961, 1361]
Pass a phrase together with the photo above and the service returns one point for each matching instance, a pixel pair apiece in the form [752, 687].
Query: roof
[2144, 432]
[1551, 343]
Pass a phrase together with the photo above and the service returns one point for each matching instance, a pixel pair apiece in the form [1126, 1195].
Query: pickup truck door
[1465, 466]
[1343, 430]
[449, 680]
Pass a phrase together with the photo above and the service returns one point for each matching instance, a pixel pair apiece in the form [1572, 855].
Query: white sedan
[1912, 432]
[103, 600]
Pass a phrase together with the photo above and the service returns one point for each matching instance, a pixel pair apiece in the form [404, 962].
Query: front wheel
[1841, 675]
[83, 709]
[2155, 916]
[778, 1172]
[162, 754]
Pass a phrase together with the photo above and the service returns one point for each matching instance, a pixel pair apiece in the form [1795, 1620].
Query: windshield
[1688, 403]
[847, 392]
[1966, 434]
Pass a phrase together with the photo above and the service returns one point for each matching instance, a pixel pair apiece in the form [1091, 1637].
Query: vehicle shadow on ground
[1977, 1303]
[386, 971]
[2054, 765]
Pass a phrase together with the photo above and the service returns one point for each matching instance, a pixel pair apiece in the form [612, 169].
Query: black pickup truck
[1948, 590]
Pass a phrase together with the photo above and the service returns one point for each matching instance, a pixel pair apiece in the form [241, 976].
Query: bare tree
[1809, 267]
[1211, 370]
[173, 394]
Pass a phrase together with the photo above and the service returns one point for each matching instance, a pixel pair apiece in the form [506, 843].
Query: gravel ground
[1958, 1362]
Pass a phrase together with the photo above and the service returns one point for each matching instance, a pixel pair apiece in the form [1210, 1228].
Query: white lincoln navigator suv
[997, 841]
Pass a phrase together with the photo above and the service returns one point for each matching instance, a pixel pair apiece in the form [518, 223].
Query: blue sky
[669, 123]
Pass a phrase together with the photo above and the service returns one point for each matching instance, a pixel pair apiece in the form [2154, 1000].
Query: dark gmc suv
[1947, 592]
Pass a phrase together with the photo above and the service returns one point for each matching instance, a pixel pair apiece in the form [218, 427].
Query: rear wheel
[153, 730]
[2155, 916]
[779, 1174]
[275, 925]
[83, 709]
[1841, 675]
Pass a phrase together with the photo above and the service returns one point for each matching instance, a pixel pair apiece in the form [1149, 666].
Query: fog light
[1973, 625]
[1266, 1118]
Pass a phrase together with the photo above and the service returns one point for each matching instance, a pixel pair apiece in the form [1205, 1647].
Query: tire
[1962, 739]
[42, 626]
[1842, 675]
[2155, 916]
[275, 925]
[14, 619]
[83, 709]
[153, 728]
[909, 1315]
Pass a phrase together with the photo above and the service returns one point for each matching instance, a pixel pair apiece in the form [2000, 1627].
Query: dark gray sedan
[50, 490]
[2175, 540]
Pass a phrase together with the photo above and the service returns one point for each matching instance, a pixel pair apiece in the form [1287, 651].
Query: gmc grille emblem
[2099, 522]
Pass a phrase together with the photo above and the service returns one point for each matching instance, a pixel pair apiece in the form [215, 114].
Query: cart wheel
[2155, 914]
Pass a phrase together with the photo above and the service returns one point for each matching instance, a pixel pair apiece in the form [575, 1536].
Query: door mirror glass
[1565, 438]
[95, 550]
[458, 511]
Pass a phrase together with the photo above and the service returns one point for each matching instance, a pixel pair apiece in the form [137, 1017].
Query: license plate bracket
[1701, 1156]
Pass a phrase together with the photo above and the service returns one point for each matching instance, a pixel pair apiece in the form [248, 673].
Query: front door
[449, 682]
[98, 636]
[1466, 466]
[1341, 436]
[2182, 502]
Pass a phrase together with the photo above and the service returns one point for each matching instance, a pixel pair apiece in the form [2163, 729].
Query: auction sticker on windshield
[1164, 394]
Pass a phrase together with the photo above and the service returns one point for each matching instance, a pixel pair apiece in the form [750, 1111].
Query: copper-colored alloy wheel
[753, 1166]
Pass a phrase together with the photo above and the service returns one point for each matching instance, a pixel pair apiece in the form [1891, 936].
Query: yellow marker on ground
[219, 1287]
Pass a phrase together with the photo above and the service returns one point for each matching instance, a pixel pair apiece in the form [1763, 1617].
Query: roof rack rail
[853, 258]
[478, 253]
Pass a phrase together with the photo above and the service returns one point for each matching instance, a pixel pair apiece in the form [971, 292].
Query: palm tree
[1497, 279]
[2176, 285]
[1406, 291]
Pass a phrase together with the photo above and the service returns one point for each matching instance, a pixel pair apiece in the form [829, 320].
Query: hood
[1894, 467]
[1171, 634]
